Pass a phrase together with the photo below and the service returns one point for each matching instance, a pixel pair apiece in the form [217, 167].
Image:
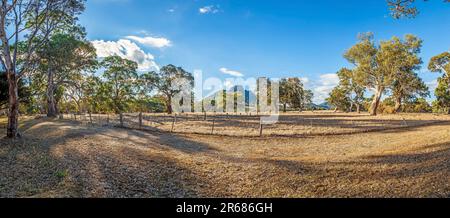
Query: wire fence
[249, 125]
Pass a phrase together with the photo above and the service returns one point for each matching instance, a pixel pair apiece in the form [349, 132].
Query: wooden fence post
[173, 123]
[261, 129]
[140, 120]
[213, 124]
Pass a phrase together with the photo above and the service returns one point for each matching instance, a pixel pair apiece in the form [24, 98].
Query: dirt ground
[64, 159]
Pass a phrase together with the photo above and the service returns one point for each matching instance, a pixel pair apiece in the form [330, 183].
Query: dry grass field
[342, 155]
[290, 124]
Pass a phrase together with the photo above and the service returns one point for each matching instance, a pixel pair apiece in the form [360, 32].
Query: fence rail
[249, 124]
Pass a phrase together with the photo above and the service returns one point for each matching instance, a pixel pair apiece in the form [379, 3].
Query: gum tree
[378, 66]
[120, 82]
[352, 88]
[404, 8]
[30, 22]
[164, 79]
[441, 64]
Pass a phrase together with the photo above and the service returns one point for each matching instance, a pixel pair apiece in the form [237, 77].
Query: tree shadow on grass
[129, 173]
[49, 162]
[421, 173]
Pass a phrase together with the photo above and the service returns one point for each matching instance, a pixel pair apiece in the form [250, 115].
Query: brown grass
[62, 158]
[290, 124]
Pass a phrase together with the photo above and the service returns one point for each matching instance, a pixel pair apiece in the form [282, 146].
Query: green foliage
[404, 8]
[379, 67]
[25, 93]
[62, 174]
[443, 94]
[292, 93]
[166, 82]
[387, 106]
[352, 89]
[418, 105]
[441, 64]
[120, 82]
[339, 99]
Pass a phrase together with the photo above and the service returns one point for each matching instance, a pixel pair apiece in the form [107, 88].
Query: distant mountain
[324, 106]
[249, 97]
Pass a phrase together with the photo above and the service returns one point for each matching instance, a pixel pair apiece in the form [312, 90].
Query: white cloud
[231, 72]
[171, 10]
[323, 87]
[228, 84]
[432, 85]
[151, 41]
[210, 9]
[305, 80]
[128, 50]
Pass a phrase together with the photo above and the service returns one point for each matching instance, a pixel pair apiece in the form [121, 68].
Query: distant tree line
[389, 68]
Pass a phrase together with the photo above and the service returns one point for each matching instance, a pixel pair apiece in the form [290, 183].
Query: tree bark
[121, 119]
[398, 105]
[51, 105]
[13, 116]
[358, 108]
[169, 105]
[376, 101]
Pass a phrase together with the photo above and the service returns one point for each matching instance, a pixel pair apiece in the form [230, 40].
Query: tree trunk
[169, 105]
[13, 115]
[284, 108]
[398, 105]
[376, 101]
[121, 119]
[358, 108]
[51, 105]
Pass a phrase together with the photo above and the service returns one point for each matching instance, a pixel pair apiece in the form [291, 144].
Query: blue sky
[253, 38]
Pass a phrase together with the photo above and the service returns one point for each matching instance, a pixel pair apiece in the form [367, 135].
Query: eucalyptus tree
[408, 86]
[367, 70]
[308, 96]
[353, 90]
[165, 80]
[404, 8]
[146, 85]
[24, 91]
[339, 98]
[120, 79]
[378, 66]
[291, 93]
[32, 22]
[441, 64]
[63, 61]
